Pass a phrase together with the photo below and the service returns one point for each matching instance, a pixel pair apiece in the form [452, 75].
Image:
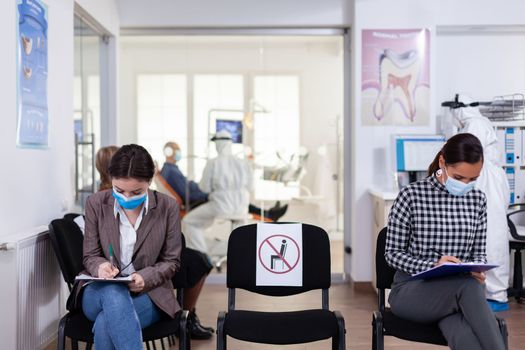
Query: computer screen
[234, 127]
[416, 152]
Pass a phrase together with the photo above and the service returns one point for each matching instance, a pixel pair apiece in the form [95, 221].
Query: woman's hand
[138, 283]
[448, 259]
[106, 270]
[480, 276]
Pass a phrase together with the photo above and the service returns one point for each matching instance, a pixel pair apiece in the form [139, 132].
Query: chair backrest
[242, 255]
[518, 208]
[164, 187]
[71, 216]
[67, 241]
[384, 272]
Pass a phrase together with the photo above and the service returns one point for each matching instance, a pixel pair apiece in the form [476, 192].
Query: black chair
[67, 241]
[517, 244]
[384, 322]
[281, 328]
[71, 216]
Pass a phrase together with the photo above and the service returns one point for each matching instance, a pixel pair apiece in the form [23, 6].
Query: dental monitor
[234, 127]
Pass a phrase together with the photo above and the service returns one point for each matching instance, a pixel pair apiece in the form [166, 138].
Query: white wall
[234, 13]
[481, 65]
[38, 184]
[370, 142]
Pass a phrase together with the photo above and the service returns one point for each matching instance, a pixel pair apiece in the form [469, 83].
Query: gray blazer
[156, 256]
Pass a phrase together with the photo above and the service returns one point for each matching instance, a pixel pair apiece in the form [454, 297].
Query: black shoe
[196, 330]
[276, 213]
[195, 319]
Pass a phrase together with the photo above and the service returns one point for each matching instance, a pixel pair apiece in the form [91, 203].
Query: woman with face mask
[130, 231]
[443, 219]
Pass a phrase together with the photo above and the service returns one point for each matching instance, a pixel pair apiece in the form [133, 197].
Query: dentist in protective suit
[493, 182]
[228, 180]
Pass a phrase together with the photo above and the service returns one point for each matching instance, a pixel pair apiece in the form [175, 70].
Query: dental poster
[32, 128]
[395, 77]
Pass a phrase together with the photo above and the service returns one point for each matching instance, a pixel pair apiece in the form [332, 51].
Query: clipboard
[87, 278]
[448, 269]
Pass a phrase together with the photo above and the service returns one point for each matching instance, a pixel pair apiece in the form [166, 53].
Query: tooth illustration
[28, 72]
[399, 74]
[27, 43]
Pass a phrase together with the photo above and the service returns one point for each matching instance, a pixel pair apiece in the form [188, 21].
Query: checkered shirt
[426, 222]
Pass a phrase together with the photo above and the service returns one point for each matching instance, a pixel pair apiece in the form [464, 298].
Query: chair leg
[61, 343]
[341, 332]
[89, 346]
[184, 341]
[154, 345]
[377, 331]
[503, 330]
[221, 337]
[74, 344]
[162, 344]
[518, 275]
[147, 345]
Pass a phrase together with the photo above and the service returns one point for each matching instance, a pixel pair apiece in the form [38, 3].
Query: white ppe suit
[493, 182]
[228, 180]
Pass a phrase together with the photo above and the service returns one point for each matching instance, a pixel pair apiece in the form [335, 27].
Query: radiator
[29, 291]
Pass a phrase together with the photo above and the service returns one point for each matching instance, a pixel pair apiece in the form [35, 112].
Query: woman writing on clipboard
[437, 220]
[130, 231]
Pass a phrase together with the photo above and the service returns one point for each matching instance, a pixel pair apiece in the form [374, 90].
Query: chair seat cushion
[281, 327]
[413, 331]
[79, 327]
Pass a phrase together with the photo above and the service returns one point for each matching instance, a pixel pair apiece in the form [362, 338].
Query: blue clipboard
[448, 269]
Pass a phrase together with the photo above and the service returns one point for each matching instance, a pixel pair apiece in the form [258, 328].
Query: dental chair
[164, 187]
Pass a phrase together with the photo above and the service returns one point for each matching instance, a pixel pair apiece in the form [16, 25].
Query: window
[162, 114]
[216, 96]
[276, 132]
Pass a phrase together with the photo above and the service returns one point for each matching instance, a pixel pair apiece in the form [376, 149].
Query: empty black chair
[384, 322]
[517, 244]
[292, 327]
[67, 241]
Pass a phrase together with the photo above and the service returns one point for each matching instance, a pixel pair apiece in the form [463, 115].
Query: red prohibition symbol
[290, 265]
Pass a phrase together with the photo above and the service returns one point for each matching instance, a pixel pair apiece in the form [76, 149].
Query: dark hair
[132, 161]
[459, 148]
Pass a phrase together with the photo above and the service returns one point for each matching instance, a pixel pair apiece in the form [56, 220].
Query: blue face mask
[131, 202]
[178, 155]
[458, 188]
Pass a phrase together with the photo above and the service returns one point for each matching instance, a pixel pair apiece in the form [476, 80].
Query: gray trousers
[456, 303]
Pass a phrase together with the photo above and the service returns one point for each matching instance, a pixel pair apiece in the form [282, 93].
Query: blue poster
[32, 129]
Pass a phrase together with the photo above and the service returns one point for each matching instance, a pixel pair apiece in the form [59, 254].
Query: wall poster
[395, 77]
[32, 61]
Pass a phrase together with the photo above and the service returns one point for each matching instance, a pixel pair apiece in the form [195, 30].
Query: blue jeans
[118, 316]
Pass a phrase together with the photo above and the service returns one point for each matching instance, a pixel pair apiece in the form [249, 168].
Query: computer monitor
[234, 127]
[416, 152]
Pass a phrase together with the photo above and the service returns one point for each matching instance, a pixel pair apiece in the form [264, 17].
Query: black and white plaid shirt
[426, 222]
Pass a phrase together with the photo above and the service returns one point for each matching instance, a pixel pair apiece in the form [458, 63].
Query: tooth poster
[395, 77]
[32, 128]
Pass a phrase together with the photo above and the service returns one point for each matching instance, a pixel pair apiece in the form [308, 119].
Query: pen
[111, 256]
[438, 253]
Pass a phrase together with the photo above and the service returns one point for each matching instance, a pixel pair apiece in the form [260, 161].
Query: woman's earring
[439, 172]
